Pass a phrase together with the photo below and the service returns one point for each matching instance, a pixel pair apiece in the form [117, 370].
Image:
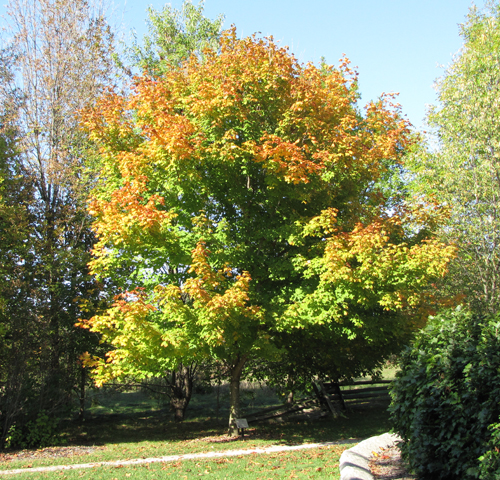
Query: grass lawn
[130, 426]
[312, 463]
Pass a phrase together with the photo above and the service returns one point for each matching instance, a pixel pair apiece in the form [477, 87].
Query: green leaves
[462, 173]
[254, 203]
[445, 399]
[175, 35]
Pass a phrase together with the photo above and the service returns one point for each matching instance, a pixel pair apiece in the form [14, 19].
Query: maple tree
[173, 36]
[242, 195]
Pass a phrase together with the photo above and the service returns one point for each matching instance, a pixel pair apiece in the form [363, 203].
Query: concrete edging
[354, 462]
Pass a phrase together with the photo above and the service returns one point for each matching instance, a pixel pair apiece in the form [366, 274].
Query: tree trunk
[217, 408]
[181, 390]
[81, 412]
[179, 406]
[234, 409]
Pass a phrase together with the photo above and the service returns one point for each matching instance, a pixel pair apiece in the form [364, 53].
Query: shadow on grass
[361, 420]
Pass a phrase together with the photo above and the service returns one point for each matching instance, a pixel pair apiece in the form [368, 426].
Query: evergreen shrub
[446, 398]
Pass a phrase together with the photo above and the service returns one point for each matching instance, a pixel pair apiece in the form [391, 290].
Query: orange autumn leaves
[141, 345]
[225, 105]
[220, 298]
[370, 267]
[221, 108]
[274, 157]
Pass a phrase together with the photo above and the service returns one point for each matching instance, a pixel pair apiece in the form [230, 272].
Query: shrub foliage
[445, 401]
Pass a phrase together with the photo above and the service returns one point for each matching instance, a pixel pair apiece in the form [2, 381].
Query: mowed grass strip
[126, 441]
[322, 462]
[126, 427]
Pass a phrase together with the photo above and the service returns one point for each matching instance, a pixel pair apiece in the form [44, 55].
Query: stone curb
[354, 462]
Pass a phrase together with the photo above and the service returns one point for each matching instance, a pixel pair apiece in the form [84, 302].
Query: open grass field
[131, 425]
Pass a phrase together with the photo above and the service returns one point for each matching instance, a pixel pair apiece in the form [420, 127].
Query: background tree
[321, 352]
[175, 35]
[62, 62]
[14, 251]
[463, 171]
[243, 195]
[448, 385]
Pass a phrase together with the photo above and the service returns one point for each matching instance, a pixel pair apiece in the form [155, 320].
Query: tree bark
[234, 409]
[181, 390]
[81, 412]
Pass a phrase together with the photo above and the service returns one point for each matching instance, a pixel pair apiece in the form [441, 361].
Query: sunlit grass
[313, 463]
[134, 427]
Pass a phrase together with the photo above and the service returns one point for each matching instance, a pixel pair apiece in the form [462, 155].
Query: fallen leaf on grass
[316, 455]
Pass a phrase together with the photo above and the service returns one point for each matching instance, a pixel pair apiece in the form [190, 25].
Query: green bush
[490, 461]
[446, 398]
[42, 432]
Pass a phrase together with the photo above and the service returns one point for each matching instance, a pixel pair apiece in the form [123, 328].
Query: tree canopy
[242, 196]
[60, 62]
[175, 35]
[463, 170]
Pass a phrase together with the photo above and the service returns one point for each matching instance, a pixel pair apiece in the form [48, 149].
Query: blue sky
[397, 45]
